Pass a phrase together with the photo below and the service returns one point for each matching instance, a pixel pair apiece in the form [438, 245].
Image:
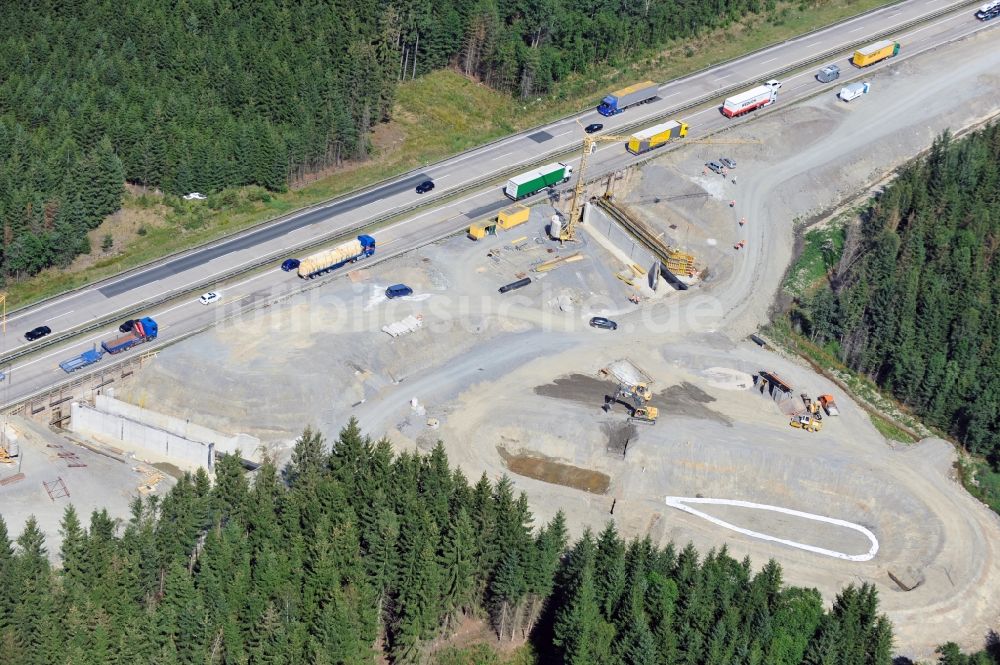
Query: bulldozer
[806, 421]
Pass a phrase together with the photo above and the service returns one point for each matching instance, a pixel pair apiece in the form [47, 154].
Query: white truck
[853, 91]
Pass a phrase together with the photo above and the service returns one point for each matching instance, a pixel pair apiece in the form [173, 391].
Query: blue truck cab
[143, 330]
[367, 244]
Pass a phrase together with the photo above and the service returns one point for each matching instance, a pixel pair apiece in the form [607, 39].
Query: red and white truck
[756, 98]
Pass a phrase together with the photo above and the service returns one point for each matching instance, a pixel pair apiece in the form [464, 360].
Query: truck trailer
[531, 182]
[876, 52]
[618, 101]
[82, 360]
[853, 91]
[655, 136]
[143, 330]
[759, 97]
[331, 259]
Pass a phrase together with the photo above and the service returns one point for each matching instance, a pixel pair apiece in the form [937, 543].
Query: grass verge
[980, 480]
[821, 250]
[436, 116]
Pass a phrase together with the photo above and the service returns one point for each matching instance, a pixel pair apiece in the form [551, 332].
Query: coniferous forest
[346, 555]
[915, 300]
[199, 95]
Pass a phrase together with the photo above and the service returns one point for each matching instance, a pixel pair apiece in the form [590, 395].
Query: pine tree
[72, 553]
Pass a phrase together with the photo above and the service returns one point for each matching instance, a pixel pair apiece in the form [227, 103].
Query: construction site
[682, 423]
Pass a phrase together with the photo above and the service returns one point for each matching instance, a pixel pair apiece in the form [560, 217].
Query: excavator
[635, 399]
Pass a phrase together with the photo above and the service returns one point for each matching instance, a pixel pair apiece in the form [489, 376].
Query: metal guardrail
[80, 377]
[496, 176]
[412, 172]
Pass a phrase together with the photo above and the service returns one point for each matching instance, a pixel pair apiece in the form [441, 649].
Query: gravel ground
[489, 369]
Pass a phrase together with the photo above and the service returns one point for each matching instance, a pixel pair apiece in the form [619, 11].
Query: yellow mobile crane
[568, 232]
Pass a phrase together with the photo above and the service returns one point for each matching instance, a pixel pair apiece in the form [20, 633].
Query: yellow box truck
[513, 216]
[876, 52]
[655, 136]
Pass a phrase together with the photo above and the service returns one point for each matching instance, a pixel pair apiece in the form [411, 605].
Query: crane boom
[568, 232]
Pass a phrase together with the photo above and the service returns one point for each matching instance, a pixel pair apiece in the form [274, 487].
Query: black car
[425, 186]
[37, 333]
[289, 265]
[601, 322]
[596, 127]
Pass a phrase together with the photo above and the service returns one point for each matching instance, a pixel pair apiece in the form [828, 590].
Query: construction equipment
[807, 422]
[826, 401]
[640, 391]
[635, 399]
[811, 407]
[567, 233]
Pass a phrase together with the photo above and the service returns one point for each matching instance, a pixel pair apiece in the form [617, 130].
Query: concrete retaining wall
[158, 434]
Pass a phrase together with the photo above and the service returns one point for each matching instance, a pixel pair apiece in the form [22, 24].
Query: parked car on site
[601, 322]
[398, 291]
[37, 333]
[728, 162]
[289, 265]
[425, 186]
[593, 127]
[714, 166]
[208, 298]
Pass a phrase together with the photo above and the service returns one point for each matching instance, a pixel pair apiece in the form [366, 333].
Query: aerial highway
[130, 293]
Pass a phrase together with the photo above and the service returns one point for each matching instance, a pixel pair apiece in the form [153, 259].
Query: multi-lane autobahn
[172, 281]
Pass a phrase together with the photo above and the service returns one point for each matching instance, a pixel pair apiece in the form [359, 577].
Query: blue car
[289, 265]
[398, 291]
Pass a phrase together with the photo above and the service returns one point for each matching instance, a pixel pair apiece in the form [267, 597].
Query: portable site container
[513, 216]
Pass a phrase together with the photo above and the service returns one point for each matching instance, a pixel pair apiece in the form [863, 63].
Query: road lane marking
[62, 315]
[457, 160]
[857, 29]
[503, 155]
[767, 61]
[813, 44]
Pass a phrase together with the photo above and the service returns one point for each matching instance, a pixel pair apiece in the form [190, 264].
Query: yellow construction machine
[806, 421]
[635, 399]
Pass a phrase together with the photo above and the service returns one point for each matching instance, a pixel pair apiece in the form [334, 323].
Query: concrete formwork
[158, 434]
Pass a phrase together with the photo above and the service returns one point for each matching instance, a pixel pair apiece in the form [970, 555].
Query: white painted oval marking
[681, 503]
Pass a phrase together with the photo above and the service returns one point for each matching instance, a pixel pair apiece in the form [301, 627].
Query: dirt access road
[935, 539]
[481, 364]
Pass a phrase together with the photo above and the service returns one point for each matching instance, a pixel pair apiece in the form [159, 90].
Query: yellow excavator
[635, 399]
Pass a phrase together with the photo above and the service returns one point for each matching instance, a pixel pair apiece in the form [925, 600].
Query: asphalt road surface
[128, 293]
